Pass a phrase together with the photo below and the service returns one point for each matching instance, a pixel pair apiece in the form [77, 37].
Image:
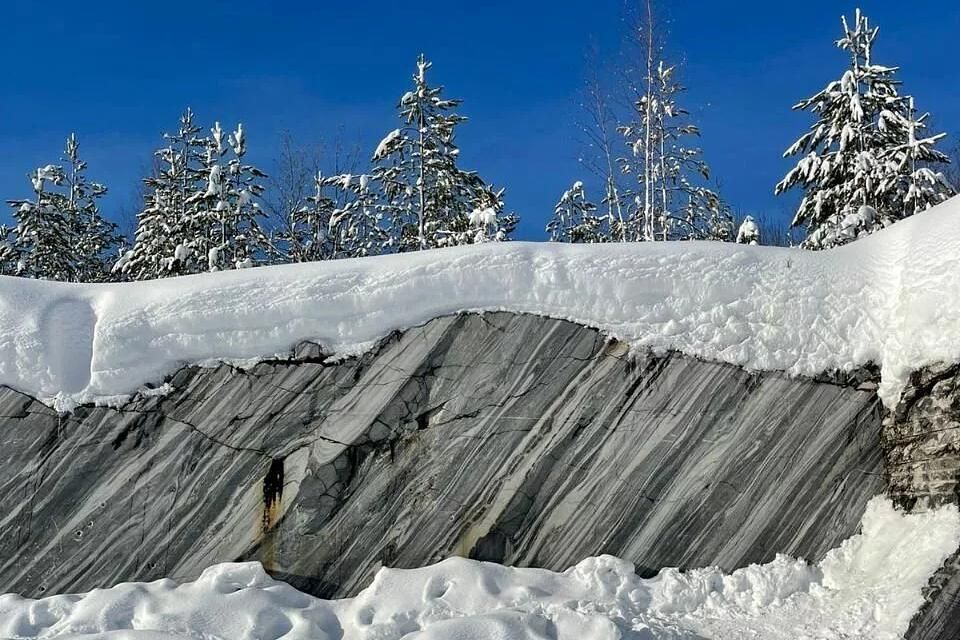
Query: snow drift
[892, 299]
[867, 588]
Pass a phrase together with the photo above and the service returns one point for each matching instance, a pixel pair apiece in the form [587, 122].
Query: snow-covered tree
[427, 198]
[96, 237]
[226, 213]
[44, 233]
[913, 168]
[8, 251]
[201, 207]
[749, 231]
[305, 235]
[671, 201]
[60, 233]
[355, 228]
[166, 228]
[488, 222]
[574, 218]
[865, 150]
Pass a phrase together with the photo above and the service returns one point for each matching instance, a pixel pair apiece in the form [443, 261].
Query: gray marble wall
[504, 437]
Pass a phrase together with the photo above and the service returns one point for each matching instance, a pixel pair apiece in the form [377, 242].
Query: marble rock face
[921, 442]
[513, 438]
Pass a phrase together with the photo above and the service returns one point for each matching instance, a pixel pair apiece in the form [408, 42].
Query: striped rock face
[513, 438]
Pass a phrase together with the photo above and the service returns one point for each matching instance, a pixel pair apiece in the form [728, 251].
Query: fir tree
[427, 198]
[574, 218]
[865, 164]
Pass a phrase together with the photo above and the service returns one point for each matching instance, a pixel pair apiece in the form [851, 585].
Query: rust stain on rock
[272, 501]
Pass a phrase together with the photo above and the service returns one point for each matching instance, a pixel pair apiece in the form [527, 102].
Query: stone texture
[921, 439]
[504, 437]
[921, 442]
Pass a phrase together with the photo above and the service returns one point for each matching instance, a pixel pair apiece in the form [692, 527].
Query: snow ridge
[892, 298]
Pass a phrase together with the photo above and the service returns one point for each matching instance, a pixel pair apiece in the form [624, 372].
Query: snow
[749, 232]
[867, 589]
[892, 298]
[385, 144]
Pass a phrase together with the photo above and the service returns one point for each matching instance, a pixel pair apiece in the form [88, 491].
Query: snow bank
[868, 588]
[892, 298]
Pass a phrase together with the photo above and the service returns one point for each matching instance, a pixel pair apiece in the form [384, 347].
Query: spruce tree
[427, 198]
[911, 167]
[865, 164]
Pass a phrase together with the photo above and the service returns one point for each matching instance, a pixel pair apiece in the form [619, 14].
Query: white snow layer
[892, 298]
[867, 589]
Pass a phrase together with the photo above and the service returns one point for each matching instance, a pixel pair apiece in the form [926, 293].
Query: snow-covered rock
[892, 298]
[509, 438]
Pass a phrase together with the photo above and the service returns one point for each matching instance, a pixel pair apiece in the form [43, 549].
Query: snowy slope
[867, 589]
[892, 298]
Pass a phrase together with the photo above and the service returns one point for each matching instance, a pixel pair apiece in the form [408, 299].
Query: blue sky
[119, 74]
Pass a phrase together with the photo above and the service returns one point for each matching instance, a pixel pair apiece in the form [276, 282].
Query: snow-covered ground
[866, 589]
[892, 298]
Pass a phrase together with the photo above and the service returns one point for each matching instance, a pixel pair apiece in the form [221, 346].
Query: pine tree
[166, 230]
[574, 218]
[427, 198]
[60, 234]
[226, 213]
[864, 165]
[44, 235]
[96, 237]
